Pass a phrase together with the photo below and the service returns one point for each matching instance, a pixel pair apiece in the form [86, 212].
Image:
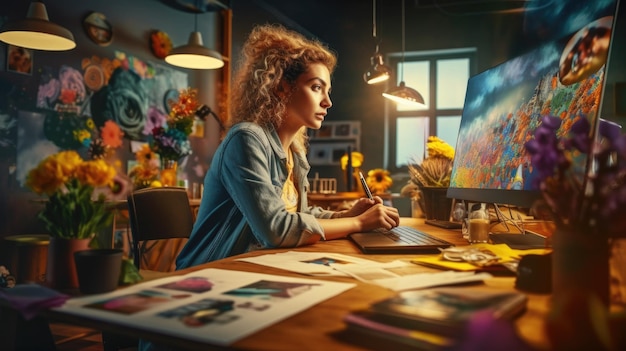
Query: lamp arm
[217, 119]
[204, 111]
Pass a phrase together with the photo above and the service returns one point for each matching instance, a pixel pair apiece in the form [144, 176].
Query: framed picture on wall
[19, 59]
[320, 154]
[98, 29]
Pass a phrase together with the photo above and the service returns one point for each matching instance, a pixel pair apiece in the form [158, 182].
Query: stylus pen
[365, 187]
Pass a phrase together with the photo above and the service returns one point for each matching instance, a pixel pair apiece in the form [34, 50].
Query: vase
[436, 203]
[168, 174]
[579, 306]
[60, 266]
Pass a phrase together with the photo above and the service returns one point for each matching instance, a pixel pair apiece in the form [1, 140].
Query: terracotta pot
[60, 268]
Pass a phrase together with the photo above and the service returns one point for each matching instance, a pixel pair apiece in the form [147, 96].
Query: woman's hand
[379, 216]
[361, 205]
[364, 215]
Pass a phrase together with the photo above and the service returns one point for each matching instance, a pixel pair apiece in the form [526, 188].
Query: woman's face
[310, 99]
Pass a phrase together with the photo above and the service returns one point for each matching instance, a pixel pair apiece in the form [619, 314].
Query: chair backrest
[158, 213]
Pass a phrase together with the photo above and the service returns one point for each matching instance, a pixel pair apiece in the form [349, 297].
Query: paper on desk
[413, 281]
[503, 251]
[367, 271]
[325, 264]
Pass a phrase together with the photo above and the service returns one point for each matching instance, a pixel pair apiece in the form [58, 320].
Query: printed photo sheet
[215, 306]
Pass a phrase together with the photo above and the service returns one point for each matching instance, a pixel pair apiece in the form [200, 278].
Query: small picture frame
[98, 29]
[320, 154]
[20, 60]
[343, 130]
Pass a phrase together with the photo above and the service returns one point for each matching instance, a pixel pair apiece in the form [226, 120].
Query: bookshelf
[331, 141]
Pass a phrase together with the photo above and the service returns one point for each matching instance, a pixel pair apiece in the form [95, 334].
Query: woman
[255, 190]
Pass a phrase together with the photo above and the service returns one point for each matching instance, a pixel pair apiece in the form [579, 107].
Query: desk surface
[322, 326]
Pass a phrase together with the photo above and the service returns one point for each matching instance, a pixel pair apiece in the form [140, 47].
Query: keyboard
[412, 236]
[399, 240]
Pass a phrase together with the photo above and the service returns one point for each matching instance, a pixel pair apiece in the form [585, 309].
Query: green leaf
[129, 273]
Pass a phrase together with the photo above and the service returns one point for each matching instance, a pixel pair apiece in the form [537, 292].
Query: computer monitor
[504, 105]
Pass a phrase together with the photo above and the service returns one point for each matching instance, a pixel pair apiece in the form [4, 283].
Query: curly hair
[270, 55]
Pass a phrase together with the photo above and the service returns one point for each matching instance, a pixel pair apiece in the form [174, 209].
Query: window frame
[392, 114]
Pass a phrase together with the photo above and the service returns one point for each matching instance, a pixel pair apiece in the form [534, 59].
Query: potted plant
[72, 214]
[430, 179]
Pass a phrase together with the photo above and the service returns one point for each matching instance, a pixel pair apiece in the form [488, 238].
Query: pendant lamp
[378, 71]
[403, 94]
[194, 55]
[37, 32]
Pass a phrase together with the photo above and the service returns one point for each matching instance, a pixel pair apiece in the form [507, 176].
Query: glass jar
[479, 224]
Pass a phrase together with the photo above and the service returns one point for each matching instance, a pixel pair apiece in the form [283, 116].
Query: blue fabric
[241, 208]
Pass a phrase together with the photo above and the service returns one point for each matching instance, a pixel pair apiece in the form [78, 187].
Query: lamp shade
[194, 55]
[404, 95]
[378, 71]
[37, 32]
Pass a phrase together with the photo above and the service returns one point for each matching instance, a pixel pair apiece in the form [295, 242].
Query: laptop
[399, 240]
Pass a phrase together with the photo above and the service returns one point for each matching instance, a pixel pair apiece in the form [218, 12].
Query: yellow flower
[357, 160]
[436, 169]
[95, 173]
[145, 155]
[81, 135]
[69, 181]
[53, 172]
[90, 124]
[379, 180]
[439, 148]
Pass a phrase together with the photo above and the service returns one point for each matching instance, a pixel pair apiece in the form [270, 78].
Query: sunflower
[379, 180]
[146, 155]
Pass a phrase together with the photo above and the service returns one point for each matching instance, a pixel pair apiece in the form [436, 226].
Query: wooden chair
[155, 214]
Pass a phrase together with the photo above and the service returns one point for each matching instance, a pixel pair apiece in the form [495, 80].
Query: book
[369, 324]
[432, 319]
[447, 310]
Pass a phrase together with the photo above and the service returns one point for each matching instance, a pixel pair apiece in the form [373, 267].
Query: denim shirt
[241, 208]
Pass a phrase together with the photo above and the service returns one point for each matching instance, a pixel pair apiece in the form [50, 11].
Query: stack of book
[433, 319]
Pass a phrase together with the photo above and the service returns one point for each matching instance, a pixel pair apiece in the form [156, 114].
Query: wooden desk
[321, 327]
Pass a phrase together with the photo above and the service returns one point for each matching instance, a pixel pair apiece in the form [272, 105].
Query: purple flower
[563, 186]
[580, 136]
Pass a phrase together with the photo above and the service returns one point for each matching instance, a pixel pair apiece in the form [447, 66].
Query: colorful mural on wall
[73, 106]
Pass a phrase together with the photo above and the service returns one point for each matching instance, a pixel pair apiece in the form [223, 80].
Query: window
[441, 78]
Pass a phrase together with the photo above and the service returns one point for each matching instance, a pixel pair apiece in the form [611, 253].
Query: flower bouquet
[171, 140]
[146, 172]
[69, 182]
[582, 178]
[573, 198]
